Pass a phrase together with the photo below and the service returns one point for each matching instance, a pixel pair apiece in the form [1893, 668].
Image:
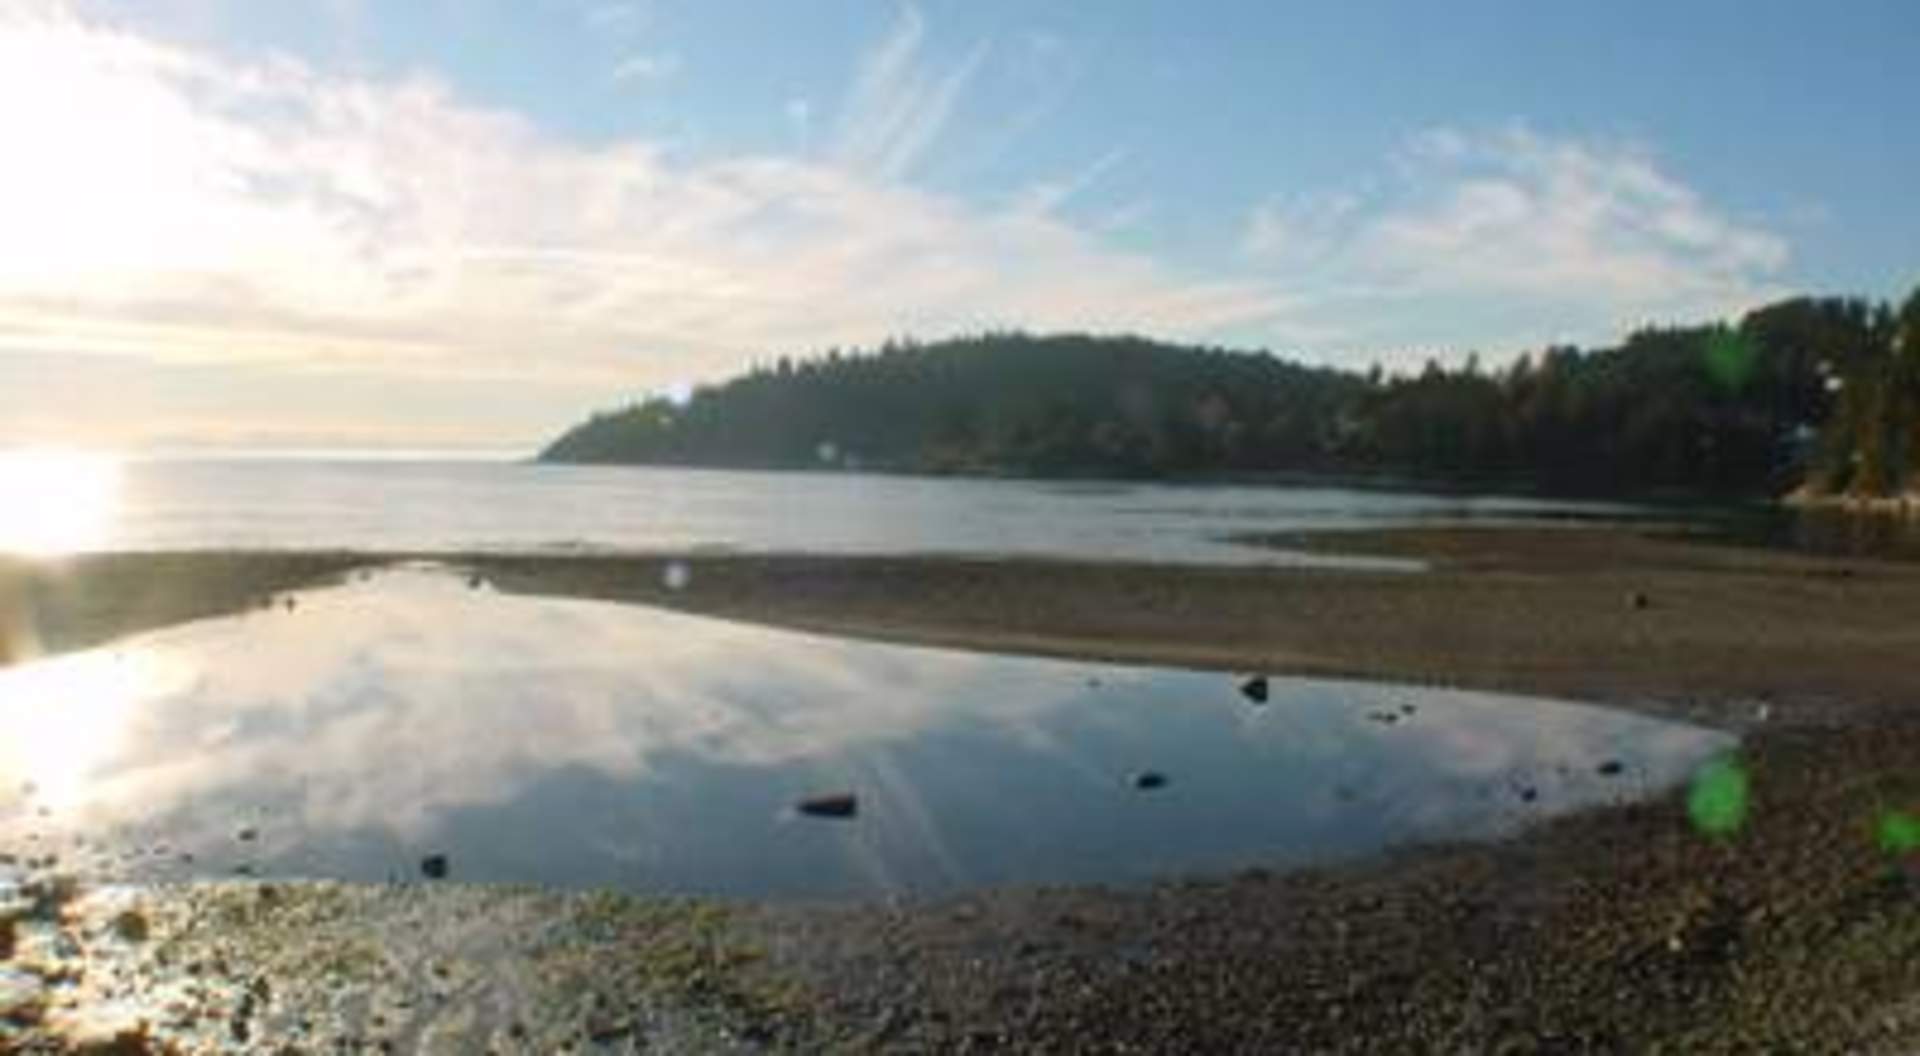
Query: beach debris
[1147, 780]
[1255, 689]
[676, 575]
[831, 805]
[434, 866]
[289, 603]
[1610, 768]
[1637, 600]
[131, 925]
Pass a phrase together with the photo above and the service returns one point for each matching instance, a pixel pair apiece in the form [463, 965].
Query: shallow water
[450, 506]
[355, 731]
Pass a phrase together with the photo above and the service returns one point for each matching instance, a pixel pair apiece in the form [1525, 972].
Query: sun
[56, 501]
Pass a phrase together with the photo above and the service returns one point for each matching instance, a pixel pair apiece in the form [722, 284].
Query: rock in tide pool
[1255, 689]
[832, 805]
[1149, 779]
[434, 866]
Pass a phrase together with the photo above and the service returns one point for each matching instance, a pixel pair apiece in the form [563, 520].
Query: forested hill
[1799, 388]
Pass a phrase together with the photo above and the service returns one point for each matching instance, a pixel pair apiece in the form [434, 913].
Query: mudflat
[1783, 918]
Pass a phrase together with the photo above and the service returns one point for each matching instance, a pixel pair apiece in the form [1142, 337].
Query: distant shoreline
[1353, 480]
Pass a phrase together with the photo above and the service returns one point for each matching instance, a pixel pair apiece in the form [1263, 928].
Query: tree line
[1820, 391]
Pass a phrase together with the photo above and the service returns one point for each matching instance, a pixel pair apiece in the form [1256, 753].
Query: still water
[443, 506]
[360, 730]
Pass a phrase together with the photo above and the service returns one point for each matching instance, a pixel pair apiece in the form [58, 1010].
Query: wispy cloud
[1567, 238]
[646, 67]
[799, 112]
[897, 107]
[187, 207]
[617, 17]
[1049, 195]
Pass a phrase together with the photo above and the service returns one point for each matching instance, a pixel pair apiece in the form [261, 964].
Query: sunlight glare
[61, 719]
[55, 501]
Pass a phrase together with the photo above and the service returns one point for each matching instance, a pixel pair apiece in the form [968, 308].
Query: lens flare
[1718, 799]
[1899, 833]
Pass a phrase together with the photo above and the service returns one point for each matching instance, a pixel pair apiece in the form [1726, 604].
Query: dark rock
[1637, 600]
[1255, 689]
[434, 866]
[1610, 768]
[1149, 779]
[832, 805]
[1529, 793]
[247, 834]
[131, 926]
[474, 582]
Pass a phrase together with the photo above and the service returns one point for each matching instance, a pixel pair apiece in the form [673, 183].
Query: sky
[441, 224]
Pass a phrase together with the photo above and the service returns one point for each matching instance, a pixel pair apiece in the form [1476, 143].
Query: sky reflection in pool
[590, 744]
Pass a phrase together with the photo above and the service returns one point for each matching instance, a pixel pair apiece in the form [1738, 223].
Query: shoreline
[1612, 928]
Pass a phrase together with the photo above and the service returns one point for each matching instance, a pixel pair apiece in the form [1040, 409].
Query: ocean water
[415, 715]
[421, 505]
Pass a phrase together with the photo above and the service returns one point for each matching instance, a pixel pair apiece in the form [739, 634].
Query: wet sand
[52, 606]
[1611, 930]
[1617, 616]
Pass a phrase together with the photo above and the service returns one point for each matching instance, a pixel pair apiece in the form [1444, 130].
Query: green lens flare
[1729, 360]
[1899, 832]
[1717, 800]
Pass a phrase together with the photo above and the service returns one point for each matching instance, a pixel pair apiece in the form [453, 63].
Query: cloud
[189, 208]
[1565, 238]
[1049, 195]
[646, 68]
[897, 108]
[799, 112]
[264, 217]
[616, 18]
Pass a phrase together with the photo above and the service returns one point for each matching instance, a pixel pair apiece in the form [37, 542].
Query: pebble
[832, 805]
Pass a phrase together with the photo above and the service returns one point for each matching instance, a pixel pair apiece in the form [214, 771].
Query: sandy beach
[1617, 929]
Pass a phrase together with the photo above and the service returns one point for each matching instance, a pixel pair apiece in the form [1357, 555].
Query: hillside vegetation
[1821, 391]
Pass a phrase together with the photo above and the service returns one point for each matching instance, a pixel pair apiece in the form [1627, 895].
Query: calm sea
[442, 505]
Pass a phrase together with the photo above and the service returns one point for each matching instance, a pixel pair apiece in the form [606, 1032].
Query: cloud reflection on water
[589, 743]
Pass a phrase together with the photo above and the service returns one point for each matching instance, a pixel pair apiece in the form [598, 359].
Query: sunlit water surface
[356, 731]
